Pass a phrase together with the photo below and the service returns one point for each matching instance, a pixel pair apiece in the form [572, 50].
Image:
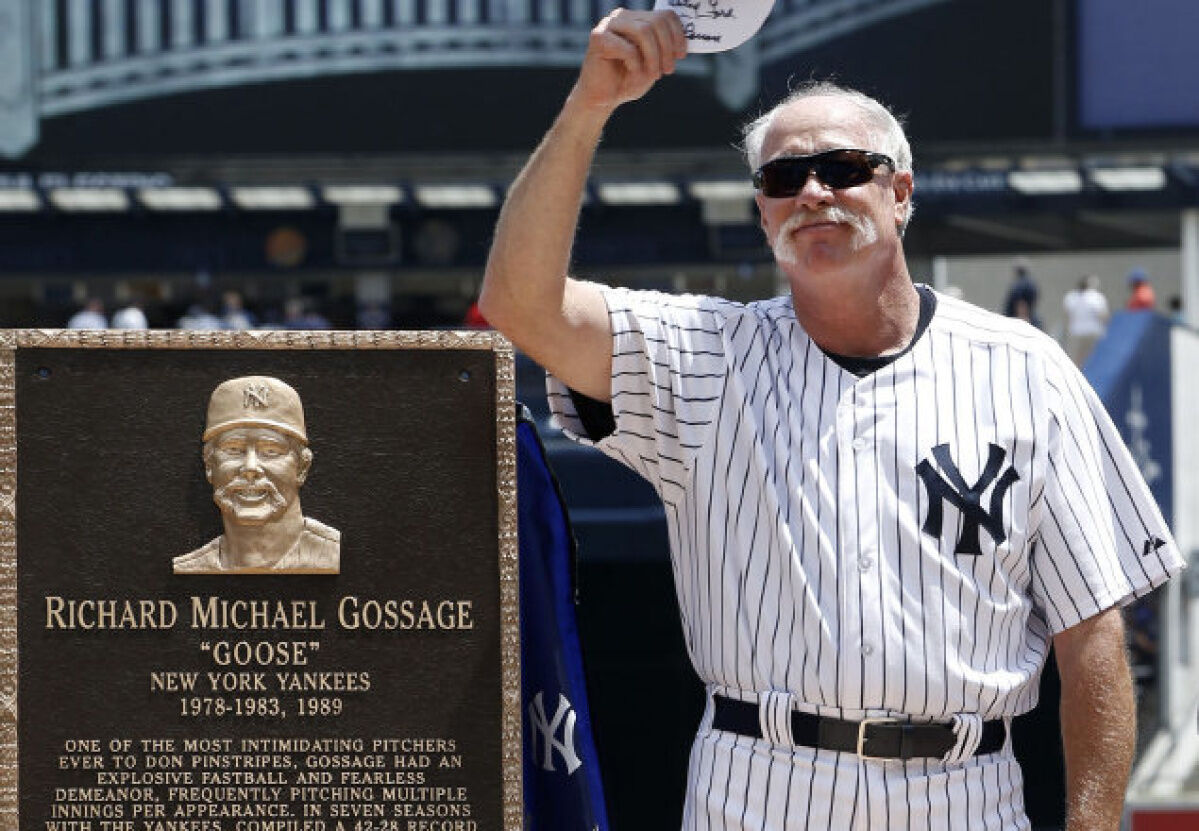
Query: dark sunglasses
[843, 168]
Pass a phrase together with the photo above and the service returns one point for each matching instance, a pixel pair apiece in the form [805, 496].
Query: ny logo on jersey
[966, 498]
[547, 729]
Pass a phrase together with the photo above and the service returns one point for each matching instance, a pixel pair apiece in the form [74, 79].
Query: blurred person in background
[1022, 311]
[473, 319]
[1022, 295]
[373, 315]
[1086, 318]
[1174, 304]
[301, 313]
[199, 316]
[1140, 291]
[233, 312]
[131, 316]
[91, 316]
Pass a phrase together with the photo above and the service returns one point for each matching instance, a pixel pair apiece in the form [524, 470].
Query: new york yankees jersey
[905, 543]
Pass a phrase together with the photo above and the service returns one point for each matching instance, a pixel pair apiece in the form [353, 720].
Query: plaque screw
[42, 372]
[464, 375]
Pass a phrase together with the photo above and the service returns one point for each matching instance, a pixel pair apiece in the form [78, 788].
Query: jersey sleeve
[668, 369]
[1102, 540]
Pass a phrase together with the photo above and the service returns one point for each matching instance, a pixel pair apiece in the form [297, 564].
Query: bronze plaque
[258, 582]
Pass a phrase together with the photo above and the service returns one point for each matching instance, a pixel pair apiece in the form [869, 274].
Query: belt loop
[968, 729]
[774, 714]
[705, 722]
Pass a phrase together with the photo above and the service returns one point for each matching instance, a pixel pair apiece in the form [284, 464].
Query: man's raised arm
[560, 322]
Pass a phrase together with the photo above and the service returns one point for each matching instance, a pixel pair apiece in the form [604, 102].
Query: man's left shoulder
[961, 318]
[319, 551]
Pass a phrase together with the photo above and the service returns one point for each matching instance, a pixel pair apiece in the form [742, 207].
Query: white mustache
[865, 231]
[224, 495]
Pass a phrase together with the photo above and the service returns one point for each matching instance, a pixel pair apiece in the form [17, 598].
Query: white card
[718, 25]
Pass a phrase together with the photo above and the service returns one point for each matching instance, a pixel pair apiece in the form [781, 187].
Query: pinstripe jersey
[905, 543]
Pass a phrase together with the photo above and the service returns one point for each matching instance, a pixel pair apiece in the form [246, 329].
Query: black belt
[878, 738]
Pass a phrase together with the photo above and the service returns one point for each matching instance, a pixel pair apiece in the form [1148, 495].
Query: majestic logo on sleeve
[947, 485]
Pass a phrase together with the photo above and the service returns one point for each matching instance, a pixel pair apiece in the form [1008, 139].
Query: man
[234, 314]
[91, 316]
[1021, 300]
[132, 316]
[256, 457]
[883, 504]
[1086, 318]
[1140, 291]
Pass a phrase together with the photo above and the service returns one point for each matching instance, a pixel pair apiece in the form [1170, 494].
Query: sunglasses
[838, 169]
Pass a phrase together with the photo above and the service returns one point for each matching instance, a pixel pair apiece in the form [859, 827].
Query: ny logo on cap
[256, 397]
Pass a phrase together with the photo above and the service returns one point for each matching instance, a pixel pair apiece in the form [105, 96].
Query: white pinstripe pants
[737, 783]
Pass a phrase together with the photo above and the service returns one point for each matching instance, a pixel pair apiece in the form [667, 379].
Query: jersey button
[859, 443]
[865, 564]
[867, 649]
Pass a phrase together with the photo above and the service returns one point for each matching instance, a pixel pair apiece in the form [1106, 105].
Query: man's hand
[1098, 720]
[627, 53]
[560, 322]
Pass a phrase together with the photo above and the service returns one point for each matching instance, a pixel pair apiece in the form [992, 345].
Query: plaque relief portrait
[256, 457]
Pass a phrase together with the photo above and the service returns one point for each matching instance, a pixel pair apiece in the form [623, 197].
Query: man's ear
[305, 465]
[903, 186]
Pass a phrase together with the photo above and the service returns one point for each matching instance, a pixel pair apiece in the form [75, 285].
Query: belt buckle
[862, 725]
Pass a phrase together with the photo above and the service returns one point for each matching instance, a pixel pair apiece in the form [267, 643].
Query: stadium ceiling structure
[58, 58]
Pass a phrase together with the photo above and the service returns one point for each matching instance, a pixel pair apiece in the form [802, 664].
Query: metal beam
[1150, 227]
[1190, 266]
[1004, 231]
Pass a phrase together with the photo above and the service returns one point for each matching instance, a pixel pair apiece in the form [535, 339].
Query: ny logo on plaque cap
[256, 397]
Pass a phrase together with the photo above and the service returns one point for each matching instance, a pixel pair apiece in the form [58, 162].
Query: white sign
[718, 25]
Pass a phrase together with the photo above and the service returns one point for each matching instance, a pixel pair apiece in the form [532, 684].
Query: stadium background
[353, 153]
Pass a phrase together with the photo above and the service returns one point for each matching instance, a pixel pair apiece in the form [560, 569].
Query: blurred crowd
[1086, 310]
[229, 311]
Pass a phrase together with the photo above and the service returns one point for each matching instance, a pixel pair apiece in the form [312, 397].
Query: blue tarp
[1130, 371]
[562, 787]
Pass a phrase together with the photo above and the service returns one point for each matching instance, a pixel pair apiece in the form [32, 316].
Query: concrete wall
[1183, 601]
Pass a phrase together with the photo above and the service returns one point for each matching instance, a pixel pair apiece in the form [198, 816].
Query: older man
[883, 504]
[256, 457]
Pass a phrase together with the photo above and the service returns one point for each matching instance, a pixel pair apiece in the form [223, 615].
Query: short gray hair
[886, 127]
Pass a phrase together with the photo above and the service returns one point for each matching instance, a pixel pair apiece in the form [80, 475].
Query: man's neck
[261, 546]
[858, 317]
